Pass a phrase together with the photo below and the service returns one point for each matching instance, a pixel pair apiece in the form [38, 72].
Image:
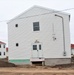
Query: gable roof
[2, 42]
[72, 46]
[48, 11]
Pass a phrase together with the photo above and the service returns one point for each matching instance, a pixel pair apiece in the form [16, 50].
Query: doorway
[37, 51]
[37, 63]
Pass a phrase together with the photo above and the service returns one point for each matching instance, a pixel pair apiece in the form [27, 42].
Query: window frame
[37, 45]
[36, 26]
[34, 48]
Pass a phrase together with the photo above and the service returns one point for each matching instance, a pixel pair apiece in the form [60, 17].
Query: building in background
[7, 52]
[72, 49]
[2, 50]
[39, 36]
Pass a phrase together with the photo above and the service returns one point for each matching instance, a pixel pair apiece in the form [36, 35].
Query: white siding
[25, 36]
[2, 50]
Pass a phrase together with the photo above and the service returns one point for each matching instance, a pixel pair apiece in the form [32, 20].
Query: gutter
[64, 53]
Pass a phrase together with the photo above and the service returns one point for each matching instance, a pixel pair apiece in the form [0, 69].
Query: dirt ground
[7, 68]
[36, 71]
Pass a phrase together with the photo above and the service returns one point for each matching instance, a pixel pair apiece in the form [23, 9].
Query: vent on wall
[16, 25]
[17, 44]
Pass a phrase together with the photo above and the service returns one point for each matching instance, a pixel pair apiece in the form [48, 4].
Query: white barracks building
[39, 36]
[2, 50]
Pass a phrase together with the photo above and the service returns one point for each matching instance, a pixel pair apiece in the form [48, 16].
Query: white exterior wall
[2, 50]
[25, 36]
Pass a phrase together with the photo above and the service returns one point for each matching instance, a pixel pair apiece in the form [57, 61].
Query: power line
[42, 14]
[67, 9]
[48, 13]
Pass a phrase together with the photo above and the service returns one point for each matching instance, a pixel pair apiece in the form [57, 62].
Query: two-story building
[39, 35]
[2, 50]
[72, 49]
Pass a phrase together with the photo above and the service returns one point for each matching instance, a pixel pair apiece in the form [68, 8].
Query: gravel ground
[12, 69]
[35, 71]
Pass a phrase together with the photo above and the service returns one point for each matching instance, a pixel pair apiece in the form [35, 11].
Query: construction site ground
[7, 68]
[36, 70]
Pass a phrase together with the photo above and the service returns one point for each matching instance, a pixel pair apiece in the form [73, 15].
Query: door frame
[37, 49]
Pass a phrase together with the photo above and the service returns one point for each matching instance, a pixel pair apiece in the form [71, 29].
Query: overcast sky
[11, 8]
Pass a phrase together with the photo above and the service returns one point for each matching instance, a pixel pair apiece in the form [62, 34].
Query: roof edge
[55, 11]
[2, 42]
[20, 14]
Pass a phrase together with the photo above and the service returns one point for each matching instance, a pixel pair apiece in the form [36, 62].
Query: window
[4, 46]
[36, 26]
[39, 47]
[34, 47]
[16, 25]
[0, 53]
[4, 53]
[0, 46]
[17, 44]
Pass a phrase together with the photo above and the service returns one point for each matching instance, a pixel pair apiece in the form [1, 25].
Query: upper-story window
[16, 25]
[0, 46]
[36, 26]
[3, 46]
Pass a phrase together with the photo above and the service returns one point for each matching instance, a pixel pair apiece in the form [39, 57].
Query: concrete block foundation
[57, 61]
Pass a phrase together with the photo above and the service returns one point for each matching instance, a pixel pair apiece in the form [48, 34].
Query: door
[37, 51]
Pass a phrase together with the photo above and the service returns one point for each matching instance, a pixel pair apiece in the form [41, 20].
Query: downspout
[64, 53]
